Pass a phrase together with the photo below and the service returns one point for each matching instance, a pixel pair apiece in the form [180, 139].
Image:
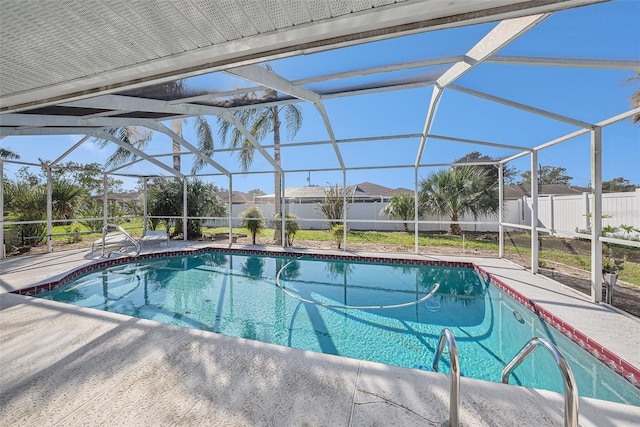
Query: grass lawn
[630, 273]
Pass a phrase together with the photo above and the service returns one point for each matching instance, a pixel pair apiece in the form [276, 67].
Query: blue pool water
[237, 295]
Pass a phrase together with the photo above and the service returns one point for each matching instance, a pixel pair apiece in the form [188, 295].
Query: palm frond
[293, 118]
[5, 153]
[132, 135]
[204, 142]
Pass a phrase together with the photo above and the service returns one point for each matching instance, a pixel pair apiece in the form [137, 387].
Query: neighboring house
[518, 191]
[365, 192]
[237, 197]
[122, 198]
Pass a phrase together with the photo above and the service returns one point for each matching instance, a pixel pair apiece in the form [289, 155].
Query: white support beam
[431, 112]
[606, 64]
[267, 78]
[49, 210]
[145, 203]
[120, 102]
[376, 23]
[325, 117]
[500, 211]
[33, 131]
[534, 212]
[618, 118]
[524, 107]
[562, 139]
[184, 207]
[105, 201]
[477, 142]
[230, 210]
[126, 165]
[156, 106]
[416, 207]
[515, 156]
[596, 214]
[174, 136]
[132, 149]
[264, 77]
[69, 151]
[500, 36]
[247, 134]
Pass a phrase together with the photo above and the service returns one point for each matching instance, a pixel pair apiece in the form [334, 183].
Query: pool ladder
[570, 387]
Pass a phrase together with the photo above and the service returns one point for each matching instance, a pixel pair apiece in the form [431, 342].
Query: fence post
[596, 216]
[636, 217]
[586, 224]
[552, 222]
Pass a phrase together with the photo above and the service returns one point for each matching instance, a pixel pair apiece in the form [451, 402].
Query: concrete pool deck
[67, 365]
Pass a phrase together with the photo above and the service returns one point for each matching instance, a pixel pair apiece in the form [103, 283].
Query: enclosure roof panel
[54, 51]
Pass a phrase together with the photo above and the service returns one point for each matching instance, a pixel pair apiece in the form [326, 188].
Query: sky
[603, 31]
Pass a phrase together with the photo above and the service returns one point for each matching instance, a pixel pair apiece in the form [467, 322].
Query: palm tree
[139, 138]
[456, 192]
[261, 122]
[635, 98]
[7, 154]
[253, 221]
[402, 207]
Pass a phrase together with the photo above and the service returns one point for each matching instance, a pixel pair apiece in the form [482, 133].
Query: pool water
[237, 295]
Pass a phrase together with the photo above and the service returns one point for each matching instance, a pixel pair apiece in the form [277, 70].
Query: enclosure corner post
[500, 210]
[2, 247]
[344, 209]
[283, 209]
[184, 209]
[105, 206]
[230, 211]
[416, 208]
[49, 210]
[534, 211]
[596, 214]
[145, 200]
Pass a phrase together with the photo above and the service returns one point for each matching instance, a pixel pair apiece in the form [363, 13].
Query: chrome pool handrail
[446, 336]
[570, 386]
[127, 236]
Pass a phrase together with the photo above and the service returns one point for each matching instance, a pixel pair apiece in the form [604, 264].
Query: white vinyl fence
[562, 215]
[567, 215]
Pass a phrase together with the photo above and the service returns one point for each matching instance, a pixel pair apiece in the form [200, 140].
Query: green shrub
[253, 221]
[73, 235]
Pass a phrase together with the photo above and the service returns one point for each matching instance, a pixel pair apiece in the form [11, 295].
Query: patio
[99, 367]
[66, 365]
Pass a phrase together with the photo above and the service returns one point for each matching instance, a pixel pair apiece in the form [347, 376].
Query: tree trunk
[406, 227]
[454, 228]
[277, 236]
[176, 126]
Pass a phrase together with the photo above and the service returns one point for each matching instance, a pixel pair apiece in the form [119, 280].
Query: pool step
[423, 367]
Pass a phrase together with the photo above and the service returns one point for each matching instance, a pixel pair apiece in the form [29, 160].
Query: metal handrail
[105, 230]
[570, 386]
[454, 395]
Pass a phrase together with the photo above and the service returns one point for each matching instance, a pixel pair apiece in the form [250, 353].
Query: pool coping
[614, 362]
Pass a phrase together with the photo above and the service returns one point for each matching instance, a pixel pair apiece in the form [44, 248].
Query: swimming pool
[236, 294]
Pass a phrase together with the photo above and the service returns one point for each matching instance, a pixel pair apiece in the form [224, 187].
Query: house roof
[236, 197]
[518, 191]
[364, 192]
